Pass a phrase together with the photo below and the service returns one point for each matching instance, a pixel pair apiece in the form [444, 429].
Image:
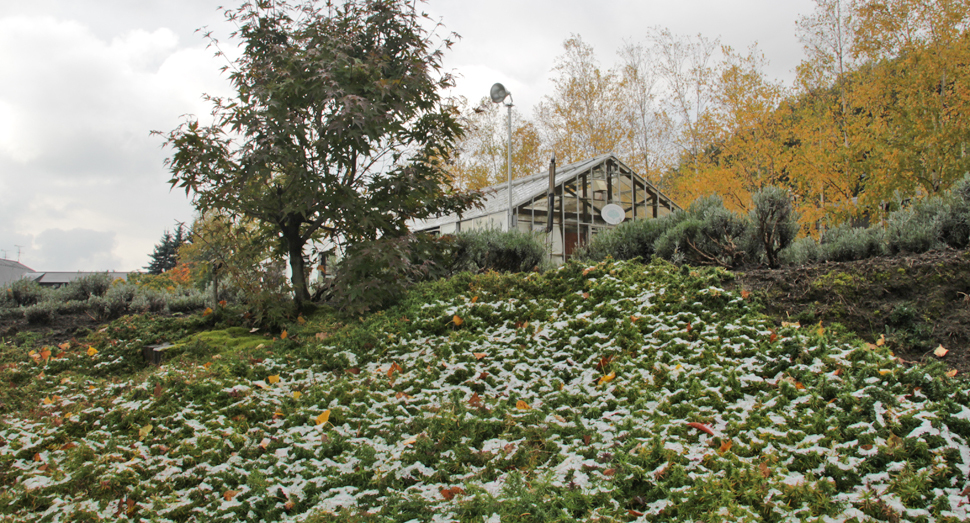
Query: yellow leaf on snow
[607, 378]
[323, 418]
[940, 351]
[274, 379]
[883, 372]
[521, 405]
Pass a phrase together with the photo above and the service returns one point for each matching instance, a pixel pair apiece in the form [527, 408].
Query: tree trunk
[294, 247]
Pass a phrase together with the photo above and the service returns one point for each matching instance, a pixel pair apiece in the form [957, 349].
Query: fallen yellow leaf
[46, 354]
[92, 351]
[607, 378]
[264, 443]
[297, 394]
[883, 372]
[301, 320]
[64, 346]
[457, 320]
[47, 401]
[283, 335]
[207, 311]
[951, 373]
[274, 379]
[144, 432]
[322, 418]
[521, 405]
[410, 441]
[479, 355]
[881, 341]
[474, 299]
[940, 351]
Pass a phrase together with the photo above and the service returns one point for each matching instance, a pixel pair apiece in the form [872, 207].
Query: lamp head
[498, 93]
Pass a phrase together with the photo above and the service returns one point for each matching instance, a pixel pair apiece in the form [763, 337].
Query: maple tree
[336, 129]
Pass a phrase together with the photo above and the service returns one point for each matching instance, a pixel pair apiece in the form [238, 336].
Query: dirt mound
[918, 302]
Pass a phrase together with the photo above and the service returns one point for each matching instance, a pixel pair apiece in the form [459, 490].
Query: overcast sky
[82, 183]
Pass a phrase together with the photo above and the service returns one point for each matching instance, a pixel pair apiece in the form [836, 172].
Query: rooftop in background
[11, 271]
[57, 279]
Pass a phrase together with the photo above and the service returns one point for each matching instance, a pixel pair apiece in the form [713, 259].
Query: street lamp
[499, 94]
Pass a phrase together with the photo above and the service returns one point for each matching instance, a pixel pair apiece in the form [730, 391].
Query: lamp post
[499, 94]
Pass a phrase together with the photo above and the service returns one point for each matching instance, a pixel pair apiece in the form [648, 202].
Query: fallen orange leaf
[745, 295]
[764, 469]
[457, 320]
[607, 378]
[521, 405]
[394, 368]
[725, 446]
[474, 299]
[475, 400]
[479, 355]
[951, 373]
[64, 346]
[207, 311]
[940, 351]
[46, 354]
[283, 335]
[881, 341]
[301, 320]
[229, 494]
[799, 385]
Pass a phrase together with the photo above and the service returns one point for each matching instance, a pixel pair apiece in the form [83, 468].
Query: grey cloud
[75, 250]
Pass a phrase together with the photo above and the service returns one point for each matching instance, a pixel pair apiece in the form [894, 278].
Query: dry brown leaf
[609, 472]
[725, 446]
[479, 355]
[158, 390]
[764, 470]
[229, 494]
[475, 401]
[322, 335]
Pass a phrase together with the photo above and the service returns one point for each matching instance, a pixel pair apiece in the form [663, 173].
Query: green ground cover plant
[613, 391]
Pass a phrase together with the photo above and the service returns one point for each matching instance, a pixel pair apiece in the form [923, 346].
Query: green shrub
[847, 243]
[774, 222]
[632, 239]
[189, 302]
[707, 234]
[917, 228]
[955, 223]
[373, 275]
[149, 300]
[40, 313]
[801, 252]
[492, 249]
[26, 292]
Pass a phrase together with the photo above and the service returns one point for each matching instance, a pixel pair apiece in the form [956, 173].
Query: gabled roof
[496, 198]
[61, 278]
[10, 264]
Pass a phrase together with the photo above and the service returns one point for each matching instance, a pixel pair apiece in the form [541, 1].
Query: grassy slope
[567, 396]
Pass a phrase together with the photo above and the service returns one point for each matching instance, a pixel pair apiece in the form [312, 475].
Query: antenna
[18, 252]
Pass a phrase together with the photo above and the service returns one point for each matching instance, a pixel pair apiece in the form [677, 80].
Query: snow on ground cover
[619, 391]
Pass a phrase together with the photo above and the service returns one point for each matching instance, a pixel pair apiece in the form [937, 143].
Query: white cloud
[76, 250]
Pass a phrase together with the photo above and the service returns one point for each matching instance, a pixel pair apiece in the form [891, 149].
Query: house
[588, 197]
[11, 271]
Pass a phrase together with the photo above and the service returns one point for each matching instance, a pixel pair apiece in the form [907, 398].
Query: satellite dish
[498, 93]
[613, 214]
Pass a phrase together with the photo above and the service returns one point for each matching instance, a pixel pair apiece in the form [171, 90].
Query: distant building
[59, 279]
[589, 197]
[11, 271]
